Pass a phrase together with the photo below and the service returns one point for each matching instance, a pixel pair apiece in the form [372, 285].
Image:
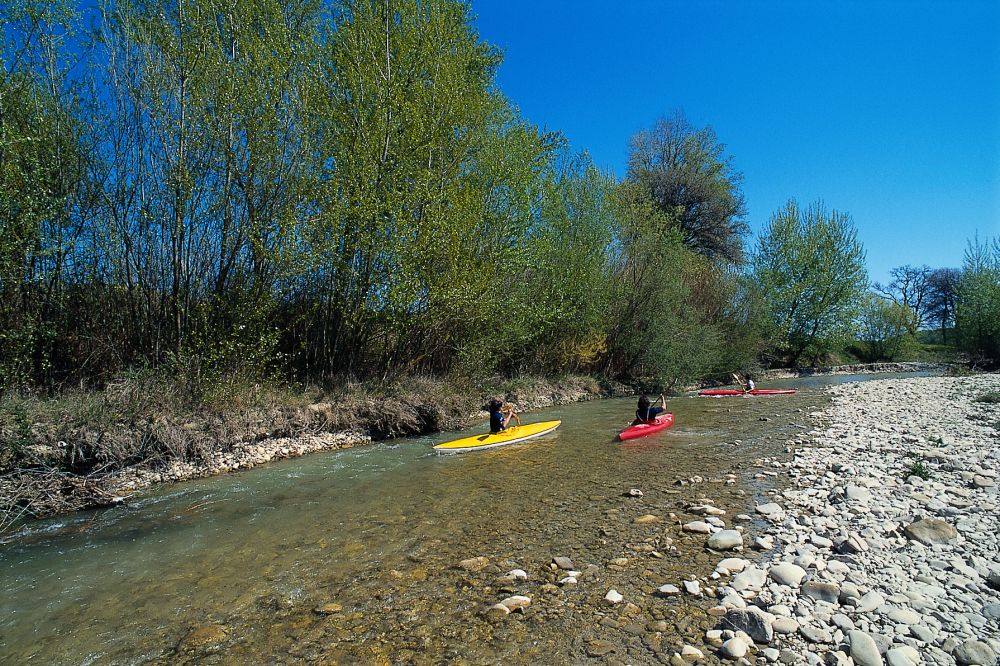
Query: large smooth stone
[864, 650]
[725, 540]
[751, 620]
[787, 573]
[751, 578]
[930, 531]
[734, 648]
[903, 656]
[974, 653]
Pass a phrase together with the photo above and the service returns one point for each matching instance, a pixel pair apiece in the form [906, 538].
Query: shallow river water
[230, 569]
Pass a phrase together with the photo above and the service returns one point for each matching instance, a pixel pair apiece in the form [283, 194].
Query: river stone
[785, 625]
[734, 648]
[769, 509]
[870, 601]
[697, 527]
[828, 592]
[864, 650]
[992, 611]
[516, 602]
[328, 609]
[647, 519]
[731, 565]
[994, 580]
[903, 656]
[692, 653]
[725, 540]
[857, 493]
[613, 597]
[974, 653]
[751, 578]
[751, 620]
[787, 573]
[668, 590]
[497, 612]
[474, 564]
[518, 574]
[904, 616]
[692, 587]
[563, 562]
[815, 634]
[853, 544]
[207, 635]
[930, 531]
[599, 648]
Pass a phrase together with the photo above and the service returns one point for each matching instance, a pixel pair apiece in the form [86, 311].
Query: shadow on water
[379, 531]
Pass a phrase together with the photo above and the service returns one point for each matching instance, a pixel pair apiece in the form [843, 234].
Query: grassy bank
[86, 449]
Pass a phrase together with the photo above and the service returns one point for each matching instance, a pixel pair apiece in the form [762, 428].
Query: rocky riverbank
[43, 481]
[885, 547]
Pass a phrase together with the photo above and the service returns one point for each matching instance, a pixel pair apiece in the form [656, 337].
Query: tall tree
[942, 299]
[977, 317]
[910, 286]
[687, 172]
[810, 269]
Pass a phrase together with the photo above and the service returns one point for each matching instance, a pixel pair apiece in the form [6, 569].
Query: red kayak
[662, 422]
[753, 392]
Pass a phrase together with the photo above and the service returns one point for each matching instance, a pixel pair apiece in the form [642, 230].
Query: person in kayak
[746, 384]
[500, 415]
[646, 413]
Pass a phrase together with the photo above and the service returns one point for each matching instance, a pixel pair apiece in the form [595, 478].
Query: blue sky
[889, 111]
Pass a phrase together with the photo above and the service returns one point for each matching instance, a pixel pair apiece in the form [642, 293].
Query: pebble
[613, 597]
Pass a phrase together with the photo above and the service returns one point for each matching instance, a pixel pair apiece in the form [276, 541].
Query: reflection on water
[379, 531]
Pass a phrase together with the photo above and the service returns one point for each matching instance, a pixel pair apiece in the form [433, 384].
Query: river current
[230, 569]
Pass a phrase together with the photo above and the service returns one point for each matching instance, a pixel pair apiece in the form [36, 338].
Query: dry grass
[55, 452]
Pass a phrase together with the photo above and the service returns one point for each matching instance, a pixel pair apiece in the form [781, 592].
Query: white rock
[786, 573]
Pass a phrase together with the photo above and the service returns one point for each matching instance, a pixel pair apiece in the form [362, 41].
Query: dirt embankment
[96, 450]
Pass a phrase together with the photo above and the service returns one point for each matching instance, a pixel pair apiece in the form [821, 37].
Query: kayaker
[647, 413]
[500, 415]
[746, 384]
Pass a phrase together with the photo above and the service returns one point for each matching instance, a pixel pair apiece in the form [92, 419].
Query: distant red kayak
[662, 422]
[753, 392]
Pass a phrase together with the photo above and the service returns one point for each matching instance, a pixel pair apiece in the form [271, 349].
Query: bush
[918, 469]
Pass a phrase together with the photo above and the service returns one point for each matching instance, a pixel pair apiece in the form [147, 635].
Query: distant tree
[942, 300]
[910, 286]
[809, 267]
[691, 179]
[886, 327]
[977, 317]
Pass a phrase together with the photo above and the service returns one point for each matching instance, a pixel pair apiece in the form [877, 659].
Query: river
[230, 569]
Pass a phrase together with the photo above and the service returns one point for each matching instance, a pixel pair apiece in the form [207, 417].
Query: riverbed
[353, 556]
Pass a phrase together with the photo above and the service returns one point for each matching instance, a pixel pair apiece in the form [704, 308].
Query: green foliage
[918, 469]
[977, 316]
[809, 268]
[989, 397]
[886, 328]
[687, 174]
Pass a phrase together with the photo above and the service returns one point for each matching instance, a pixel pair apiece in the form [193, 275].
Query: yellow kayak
[489, 441]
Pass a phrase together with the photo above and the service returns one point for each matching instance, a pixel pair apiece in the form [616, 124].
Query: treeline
[318, 190]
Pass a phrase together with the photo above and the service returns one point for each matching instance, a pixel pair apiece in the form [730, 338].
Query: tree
[688, 175]
[809, 267]
[886, 327]
[942, 299]
[910, 286]
[977, 316]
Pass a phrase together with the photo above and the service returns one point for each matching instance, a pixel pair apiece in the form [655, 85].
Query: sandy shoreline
[864, 562]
